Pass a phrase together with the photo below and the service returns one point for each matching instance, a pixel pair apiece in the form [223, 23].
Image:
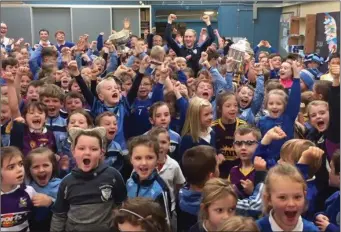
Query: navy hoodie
[188, 208]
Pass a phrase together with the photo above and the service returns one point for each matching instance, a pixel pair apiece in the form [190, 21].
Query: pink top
[287, 83]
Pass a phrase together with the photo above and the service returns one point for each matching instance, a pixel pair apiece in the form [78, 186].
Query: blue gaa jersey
[58, 126]
[16, 206]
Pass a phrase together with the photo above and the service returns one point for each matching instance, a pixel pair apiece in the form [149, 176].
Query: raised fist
[171, 18]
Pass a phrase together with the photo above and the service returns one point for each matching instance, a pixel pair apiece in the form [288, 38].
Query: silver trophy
[120, 39]
[237, 51]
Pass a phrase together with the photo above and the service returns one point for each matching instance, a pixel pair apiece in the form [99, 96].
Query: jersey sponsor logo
[106, 192]
[13, 219]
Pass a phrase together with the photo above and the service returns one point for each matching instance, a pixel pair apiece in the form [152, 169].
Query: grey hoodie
[85, 200]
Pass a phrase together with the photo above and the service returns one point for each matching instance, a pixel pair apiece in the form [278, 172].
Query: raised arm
[294, 102]
[12, 95]
[168, 35]
[33, 62]
[100, 41]
[210, 33]
[136, 84]
[74, 72]
[259, 92]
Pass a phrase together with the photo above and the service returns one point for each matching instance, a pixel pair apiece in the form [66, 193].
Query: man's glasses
[246, 142]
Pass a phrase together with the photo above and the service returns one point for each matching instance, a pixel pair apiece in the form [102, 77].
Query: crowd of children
[167, 137]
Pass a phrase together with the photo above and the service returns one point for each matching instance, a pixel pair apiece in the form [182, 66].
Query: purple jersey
[16, 206]
[35, 140]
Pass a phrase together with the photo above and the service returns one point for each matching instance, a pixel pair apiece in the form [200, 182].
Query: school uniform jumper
[268, 224]
[187, 143]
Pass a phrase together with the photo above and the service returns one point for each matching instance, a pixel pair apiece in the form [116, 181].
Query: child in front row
[302, 153]
[238, 223]
[16, 197]
[218, 204]
[140, 214]
[87, 196]
[329, 220]
[201, 158]
[145, 180]
[284, 199]
[42, 171]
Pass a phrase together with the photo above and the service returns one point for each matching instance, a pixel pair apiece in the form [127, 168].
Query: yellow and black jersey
[225, 136]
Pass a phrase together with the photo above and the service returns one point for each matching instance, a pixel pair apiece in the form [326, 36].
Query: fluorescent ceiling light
[209, 12]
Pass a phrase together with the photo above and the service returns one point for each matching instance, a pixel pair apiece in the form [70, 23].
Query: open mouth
[275, 112]
[205, 94]
[86, 161]
[291, 215]
[143, 170]
[42, 178]
[112, 132]
[36, 121]
[65, 82]
[232, 114]
[320, 124]
[51, 110]
[244, 101]
[115, 95]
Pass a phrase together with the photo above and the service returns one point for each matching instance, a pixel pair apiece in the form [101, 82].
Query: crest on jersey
[22, 202]
[33, 144]
[106, 191]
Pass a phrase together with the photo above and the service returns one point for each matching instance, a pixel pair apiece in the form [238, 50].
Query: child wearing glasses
[245, 144]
